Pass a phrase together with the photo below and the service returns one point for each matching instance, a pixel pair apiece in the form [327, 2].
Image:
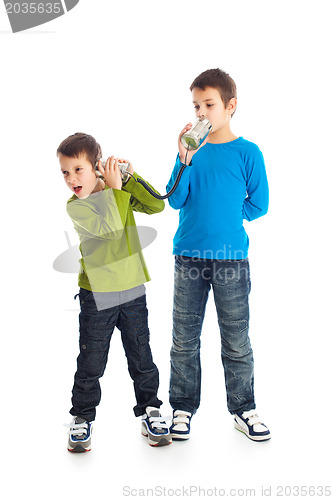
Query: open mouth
[77, 189]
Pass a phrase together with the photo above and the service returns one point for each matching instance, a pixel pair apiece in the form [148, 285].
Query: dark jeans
[96, 328]
[230, 281]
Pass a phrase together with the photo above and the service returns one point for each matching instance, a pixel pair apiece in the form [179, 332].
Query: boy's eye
[64, 172]
[210, 105]
[196, 107]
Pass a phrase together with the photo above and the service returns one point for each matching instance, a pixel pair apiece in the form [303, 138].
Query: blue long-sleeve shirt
[224, 184]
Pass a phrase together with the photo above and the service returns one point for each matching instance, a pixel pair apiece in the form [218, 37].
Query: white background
[121, 72]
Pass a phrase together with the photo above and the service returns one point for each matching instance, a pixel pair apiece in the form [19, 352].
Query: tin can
[123, 167]
[197, 134]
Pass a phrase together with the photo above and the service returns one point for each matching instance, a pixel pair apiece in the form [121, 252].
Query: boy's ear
[232, 105]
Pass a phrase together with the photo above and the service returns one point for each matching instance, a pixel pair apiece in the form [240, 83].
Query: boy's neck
[100, 185]
[222, 135]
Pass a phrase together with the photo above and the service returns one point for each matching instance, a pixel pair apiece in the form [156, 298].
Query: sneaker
[180, 428]
[79, 435]
[250, 424]
[154, 426]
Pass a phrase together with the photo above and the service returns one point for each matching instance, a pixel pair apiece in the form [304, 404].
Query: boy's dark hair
[79, 143]
[217, 79]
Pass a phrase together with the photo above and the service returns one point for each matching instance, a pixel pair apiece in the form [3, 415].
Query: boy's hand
[182, 150]
[131, 169]
[111, 173]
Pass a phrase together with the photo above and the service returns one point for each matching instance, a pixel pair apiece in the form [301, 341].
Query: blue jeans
[231, 285]
[96, 328]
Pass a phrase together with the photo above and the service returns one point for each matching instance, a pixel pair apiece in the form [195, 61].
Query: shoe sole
[253, 438]
[162, 441]
[78, 449]
[177, 437]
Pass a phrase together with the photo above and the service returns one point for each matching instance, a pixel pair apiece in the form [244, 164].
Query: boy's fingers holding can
[109, 163]
[185, 129]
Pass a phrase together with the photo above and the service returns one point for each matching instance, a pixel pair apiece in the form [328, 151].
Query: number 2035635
[33, 8]
[303, 491]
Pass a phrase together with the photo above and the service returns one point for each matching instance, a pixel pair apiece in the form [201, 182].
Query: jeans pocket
[145, 356]
[178, 259]
[143, 339]
[182, 261]
[87, 299]
[83, 294]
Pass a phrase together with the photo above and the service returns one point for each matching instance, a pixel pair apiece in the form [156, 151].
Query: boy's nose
[70, 178]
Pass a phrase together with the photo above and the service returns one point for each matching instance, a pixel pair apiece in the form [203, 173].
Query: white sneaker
[250, 424]
[79, 439]
[154, 426]
[180, 428]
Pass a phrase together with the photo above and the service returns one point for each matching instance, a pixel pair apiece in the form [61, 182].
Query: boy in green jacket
[111, 280]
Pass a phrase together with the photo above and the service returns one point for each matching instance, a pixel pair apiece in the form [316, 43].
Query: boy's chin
[81, 196]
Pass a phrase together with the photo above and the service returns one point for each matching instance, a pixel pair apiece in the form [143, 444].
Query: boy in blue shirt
[225, 182]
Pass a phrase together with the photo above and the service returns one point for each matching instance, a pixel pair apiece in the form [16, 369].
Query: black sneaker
[79, 435]
[180, 428]
[154, 427]
[250, 424]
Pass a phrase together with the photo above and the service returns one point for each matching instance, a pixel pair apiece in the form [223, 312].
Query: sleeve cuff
[180, 163]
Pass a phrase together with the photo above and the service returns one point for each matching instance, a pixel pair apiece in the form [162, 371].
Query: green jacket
[112, 258]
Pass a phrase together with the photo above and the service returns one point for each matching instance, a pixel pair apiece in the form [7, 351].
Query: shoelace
[77, 429]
